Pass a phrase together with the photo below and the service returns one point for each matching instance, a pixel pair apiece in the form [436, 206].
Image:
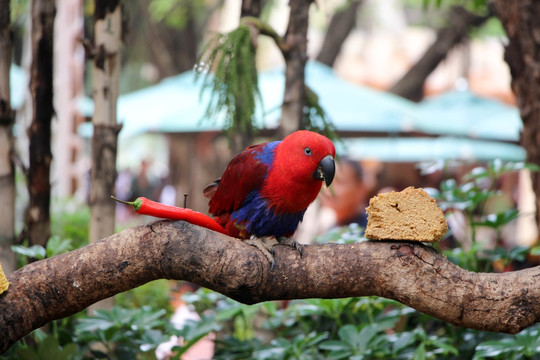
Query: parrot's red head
[302, 162]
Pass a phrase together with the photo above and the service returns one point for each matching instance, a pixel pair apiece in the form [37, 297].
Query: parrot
[266, 189]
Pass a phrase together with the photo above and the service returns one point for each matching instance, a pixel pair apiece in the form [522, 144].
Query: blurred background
[413, 93]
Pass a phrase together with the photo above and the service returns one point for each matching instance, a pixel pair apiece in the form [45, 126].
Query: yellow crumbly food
[407, 215]
[4, 284]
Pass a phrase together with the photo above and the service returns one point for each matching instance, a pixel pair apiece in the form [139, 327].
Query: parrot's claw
[292, 243]
[266, 246]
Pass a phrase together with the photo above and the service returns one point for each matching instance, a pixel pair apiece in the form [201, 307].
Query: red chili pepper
[146, 206]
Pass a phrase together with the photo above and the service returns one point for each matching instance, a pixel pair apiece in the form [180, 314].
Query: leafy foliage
[316, 119]
[123, 333]
[229, 74]
[70, 220]
[48, 349]
[69, 231]
[471, 197]
[227, 65]
[156, 293]
[524, 345]
[350, 328]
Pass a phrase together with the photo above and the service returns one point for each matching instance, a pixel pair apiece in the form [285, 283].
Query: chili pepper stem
[122, 201]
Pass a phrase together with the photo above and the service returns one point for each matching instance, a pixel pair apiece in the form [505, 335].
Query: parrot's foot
[265, 245]
[290, 242]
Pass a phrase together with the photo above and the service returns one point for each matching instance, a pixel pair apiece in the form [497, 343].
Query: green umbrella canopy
[413, 149]
[463, 113]
[177, 104]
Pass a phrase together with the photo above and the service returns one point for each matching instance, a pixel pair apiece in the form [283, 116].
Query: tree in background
[522, 53]
[342, 22]
[41, 89]
[461, 21]
[106, 74]
[7, 171]
[229, 70]
[394, 260]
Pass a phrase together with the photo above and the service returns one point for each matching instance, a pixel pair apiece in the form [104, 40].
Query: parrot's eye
[307, 151]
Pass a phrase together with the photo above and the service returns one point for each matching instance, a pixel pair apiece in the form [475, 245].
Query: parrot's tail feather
[210, 190]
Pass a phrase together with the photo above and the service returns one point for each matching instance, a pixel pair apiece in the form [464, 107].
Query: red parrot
[266, 189]
[263, 193]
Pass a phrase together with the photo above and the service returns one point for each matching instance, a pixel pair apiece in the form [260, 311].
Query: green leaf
[315, 338]
[228, 313]
[499, 219]
[349, 335]
[340, 354]
[493, 348]
[68, 351]
[36, 251]
[57, 246]
[404, 339]
[518, 253]
[28, 354]
[94, 323]
[420, 353]
[334, 345]
[444, 347]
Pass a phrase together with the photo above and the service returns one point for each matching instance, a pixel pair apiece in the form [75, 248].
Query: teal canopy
[462, 113]
[459, 123]
[177, 104]
[413, 149]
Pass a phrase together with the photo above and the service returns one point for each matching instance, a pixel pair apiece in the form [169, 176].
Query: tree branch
[411, 85]
[410, 273]
[341, 24]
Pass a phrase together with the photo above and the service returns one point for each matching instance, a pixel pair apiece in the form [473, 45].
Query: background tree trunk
[522, 53]
[295, 54]
[106, 72]
[7, 171]
[41, 88]
[251, 8]
[341, 24]
[411, 85]
[171, 50]
[411, 273]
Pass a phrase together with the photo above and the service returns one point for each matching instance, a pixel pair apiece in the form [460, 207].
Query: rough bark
[41, 89]
[411, 85]
[106, 77]
[7, 171]
[106, 72]
[341, 24]
[411, 273]
[295, 54]
[251, 8]
[522, 53]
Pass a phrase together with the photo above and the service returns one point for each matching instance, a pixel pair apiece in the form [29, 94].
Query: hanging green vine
[227, 67]
[315, 118]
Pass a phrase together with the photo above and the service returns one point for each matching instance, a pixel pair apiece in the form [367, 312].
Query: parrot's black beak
[326, 170]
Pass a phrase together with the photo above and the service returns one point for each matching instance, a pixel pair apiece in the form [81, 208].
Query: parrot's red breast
[266, 189]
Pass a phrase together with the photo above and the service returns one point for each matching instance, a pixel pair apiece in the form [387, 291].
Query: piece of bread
[407, 215]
